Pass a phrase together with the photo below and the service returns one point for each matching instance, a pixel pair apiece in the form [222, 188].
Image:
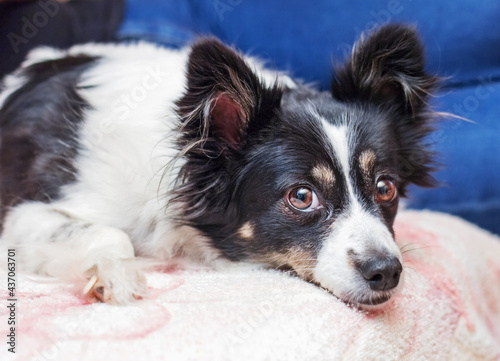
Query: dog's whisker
[418, 248]
[406, 245]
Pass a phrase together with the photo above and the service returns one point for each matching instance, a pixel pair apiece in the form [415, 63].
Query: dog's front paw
[117, 281]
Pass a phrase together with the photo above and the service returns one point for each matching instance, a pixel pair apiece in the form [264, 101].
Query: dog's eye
[386, 191]
[303, 199]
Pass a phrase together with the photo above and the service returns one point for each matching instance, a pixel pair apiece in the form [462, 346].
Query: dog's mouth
[363, 301]
[373, 301]
[365, 298]
[367, 290]
[360, 301]
[361, 297]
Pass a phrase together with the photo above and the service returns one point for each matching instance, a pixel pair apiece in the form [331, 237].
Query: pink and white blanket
[449, 310]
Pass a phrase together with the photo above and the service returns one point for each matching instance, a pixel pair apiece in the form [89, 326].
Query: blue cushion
[462, 38]
[470, 157]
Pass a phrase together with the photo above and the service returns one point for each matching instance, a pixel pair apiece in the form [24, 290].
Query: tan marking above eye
[246, 231]
[367, 163]
[323, 174]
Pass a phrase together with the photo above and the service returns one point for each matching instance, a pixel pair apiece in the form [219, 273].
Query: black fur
[215, 70]
[39, 125]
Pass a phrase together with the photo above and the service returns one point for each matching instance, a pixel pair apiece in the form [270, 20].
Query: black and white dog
[108, 152]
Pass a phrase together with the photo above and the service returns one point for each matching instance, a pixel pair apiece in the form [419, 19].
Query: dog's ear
[224, 104]
[386, 68]
[223, 95]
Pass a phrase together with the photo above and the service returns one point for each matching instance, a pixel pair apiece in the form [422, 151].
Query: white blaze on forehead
[367, 226]
[339, 137]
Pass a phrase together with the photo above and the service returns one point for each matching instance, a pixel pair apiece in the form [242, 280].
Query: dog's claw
[90, 284]
[115, 283]
[103, 294]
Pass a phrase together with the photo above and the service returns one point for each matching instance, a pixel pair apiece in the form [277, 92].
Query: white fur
[42, 53]
[72, 249]
[12, 82]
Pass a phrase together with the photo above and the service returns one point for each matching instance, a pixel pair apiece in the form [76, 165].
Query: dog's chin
[374, 303]
[370, 303]
[367, 300]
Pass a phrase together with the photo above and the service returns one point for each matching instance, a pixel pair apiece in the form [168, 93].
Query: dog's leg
[50, 241]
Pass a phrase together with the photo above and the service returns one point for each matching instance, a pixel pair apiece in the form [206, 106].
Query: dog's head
[307, 180]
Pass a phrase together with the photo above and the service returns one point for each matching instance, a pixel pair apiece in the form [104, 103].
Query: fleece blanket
[449, 309]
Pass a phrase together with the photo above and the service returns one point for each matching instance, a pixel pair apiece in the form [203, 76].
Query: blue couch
[462, 42]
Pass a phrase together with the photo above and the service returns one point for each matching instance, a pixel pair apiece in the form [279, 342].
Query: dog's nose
[382, 274]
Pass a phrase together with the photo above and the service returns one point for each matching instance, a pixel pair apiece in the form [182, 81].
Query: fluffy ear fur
[386, 69]
[224, 102]
[223, 94]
